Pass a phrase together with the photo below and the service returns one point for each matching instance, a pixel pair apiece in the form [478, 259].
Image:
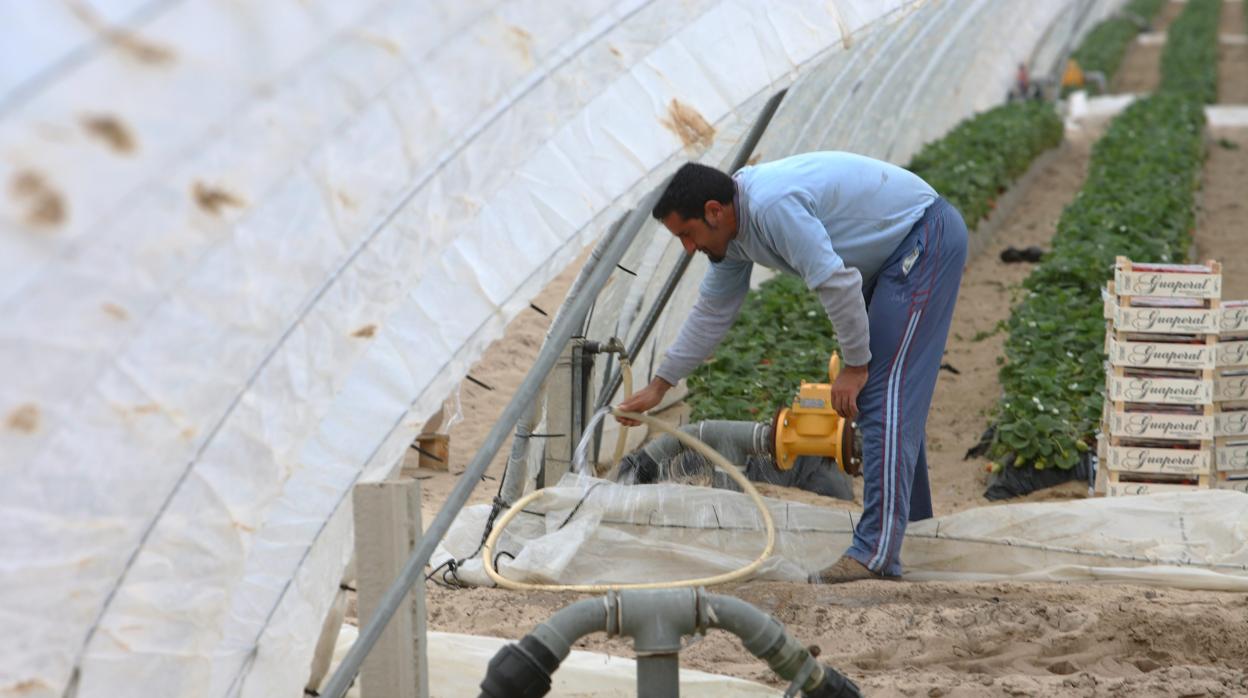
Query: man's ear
[712, 210]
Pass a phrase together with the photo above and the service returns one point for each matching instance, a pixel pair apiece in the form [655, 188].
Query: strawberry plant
[1190, 60]
[781, 338]
[975, 163]
[1138, 201]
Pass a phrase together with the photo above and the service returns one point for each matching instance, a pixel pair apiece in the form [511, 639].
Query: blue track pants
[909, 308]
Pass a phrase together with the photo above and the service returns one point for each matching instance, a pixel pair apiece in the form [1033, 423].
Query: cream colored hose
[626, 369]
[722, 463]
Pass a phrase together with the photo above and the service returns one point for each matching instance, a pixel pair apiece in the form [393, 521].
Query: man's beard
[715, 258]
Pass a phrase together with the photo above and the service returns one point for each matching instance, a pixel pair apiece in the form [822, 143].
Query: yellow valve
[811, 427]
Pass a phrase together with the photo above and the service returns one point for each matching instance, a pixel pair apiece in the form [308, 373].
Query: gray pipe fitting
[734, 440]
[657, 619]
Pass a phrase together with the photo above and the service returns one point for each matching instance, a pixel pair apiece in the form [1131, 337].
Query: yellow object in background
[1073, 76]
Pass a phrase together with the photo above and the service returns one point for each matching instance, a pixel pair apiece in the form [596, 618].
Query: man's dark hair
[691, 187]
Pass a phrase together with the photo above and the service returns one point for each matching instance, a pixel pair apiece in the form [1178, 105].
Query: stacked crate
[1231, 396]
[1160, 419]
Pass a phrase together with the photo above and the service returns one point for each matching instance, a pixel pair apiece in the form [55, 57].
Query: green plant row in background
[1138, 201]
[975, 163]
[783, 336]
[1189, 62]
[1103, 47]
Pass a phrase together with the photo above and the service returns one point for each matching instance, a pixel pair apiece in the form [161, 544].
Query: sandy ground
[1139, 71]
[1232, 57]
[1224, 188]
[938, 639]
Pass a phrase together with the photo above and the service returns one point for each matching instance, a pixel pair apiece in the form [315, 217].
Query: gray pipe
[735, 441]
[657, 620]
[561, 332]
[572, 623]
[766, 639]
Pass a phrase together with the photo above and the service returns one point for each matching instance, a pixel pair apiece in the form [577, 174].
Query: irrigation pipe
[487, 554]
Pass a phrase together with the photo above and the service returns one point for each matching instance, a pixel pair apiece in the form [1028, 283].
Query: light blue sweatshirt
[832, 218]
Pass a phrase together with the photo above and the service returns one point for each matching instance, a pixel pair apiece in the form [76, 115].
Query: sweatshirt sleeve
[719, 302]
[800, 239]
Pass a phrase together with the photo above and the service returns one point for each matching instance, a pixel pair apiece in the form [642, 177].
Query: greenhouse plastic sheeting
[656, 533]
[246, 249]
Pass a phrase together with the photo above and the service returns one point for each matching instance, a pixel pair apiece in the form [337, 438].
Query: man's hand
[643, 400]
[849, 382]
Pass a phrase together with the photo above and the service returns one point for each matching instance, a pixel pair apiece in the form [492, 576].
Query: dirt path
[1140, 68]
[1232, 55]
[937, 639]
[963, 401]
[1223, 219]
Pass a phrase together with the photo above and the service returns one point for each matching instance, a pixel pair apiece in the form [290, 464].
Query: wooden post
[387, 524]
[420, 630]
[560, 419]
[435, 451]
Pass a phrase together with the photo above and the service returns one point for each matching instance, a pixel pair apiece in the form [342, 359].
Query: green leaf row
[783, 336]
[1103, 47]
[972, 165]
[1190, 59]
[1138, 201]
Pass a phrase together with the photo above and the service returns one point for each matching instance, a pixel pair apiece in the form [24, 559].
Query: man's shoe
[846, 569]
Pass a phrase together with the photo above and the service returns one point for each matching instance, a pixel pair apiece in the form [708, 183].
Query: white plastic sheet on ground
[246, 249]
[458, 662]
[650, 533]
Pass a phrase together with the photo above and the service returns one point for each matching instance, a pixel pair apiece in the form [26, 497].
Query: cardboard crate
[1169, 461]
[1164, 320]
[1165, 391]
[1127, 489]
[1160, 426]
[1136, 354]
[1233, 320]
[1232, 353]
[1202, 281]
[1231, 423]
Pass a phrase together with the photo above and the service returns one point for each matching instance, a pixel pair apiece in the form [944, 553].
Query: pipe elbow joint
[520, 670]
[834, 685]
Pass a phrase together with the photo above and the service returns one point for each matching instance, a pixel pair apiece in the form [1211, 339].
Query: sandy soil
[1232, 57]
[936, 639]
[1224, 187]
[1139, 71]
